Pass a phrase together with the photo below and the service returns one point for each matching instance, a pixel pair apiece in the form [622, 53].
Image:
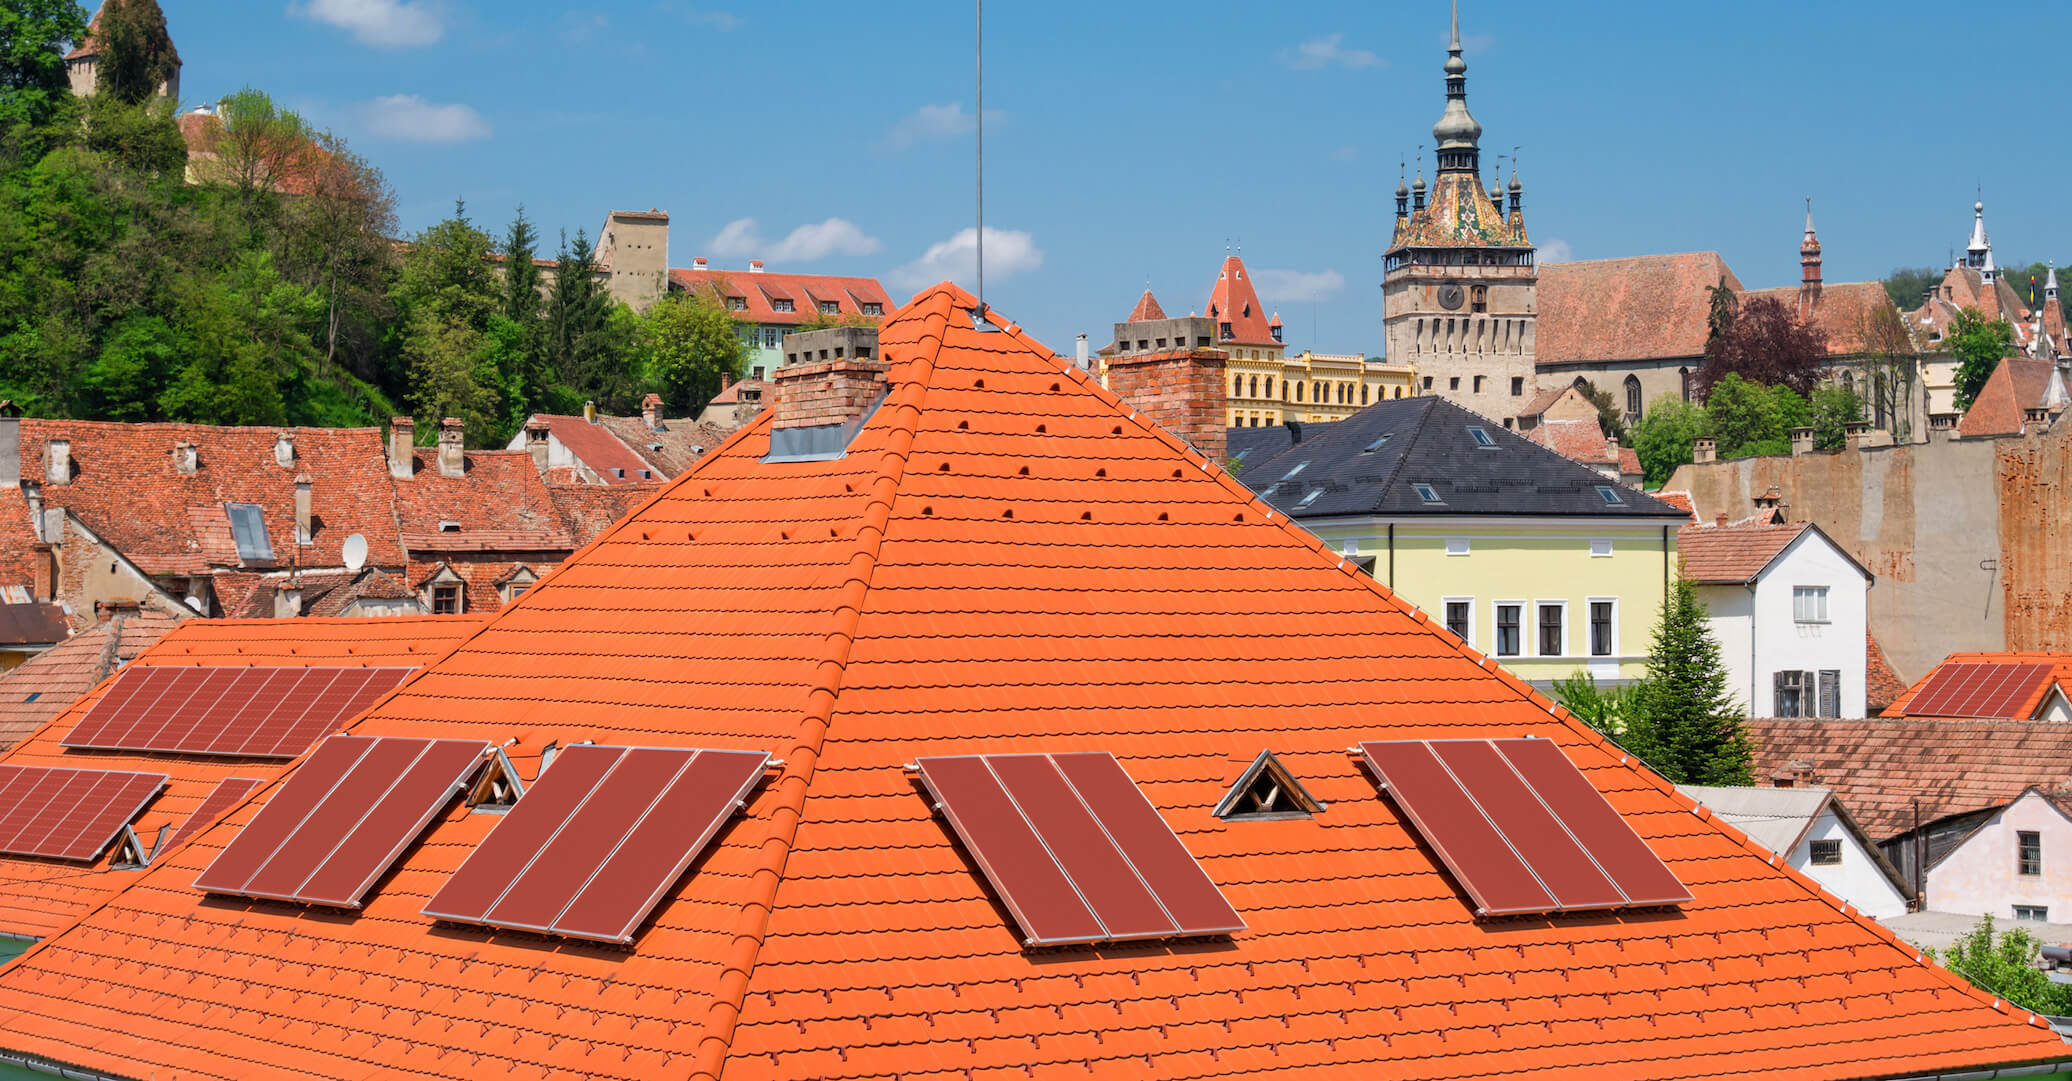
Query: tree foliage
[1682, 720]
[691, 343]
[1978, 344]
[1663, 438]
[1891, 366]
[33, 82]
[1609, 710]
[1908, 286]
[1764, 342]
[136, 51]
[2005, 965]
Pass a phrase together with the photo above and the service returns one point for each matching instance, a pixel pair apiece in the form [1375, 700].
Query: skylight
[1481, 436]
[248, 528]
[1610, 495]
[1426, 492]
[1376, 445]
[1310, 498]
[1299, 467]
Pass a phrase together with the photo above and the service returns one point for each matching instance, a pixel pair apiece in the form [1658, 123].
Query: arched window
[1399, 392]
[1633, 396]
[1683, 381]
[1849, 382]
[1363, 394]
[1269, 386]
[1237, 386]
[1298, 392]
[1255, 386]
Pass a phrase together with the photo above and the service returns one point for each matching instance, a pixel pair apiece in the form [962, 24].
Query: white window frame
[2032, 913]
[1469, 637]
[1458, 546]
[1600, 547]
[1525, 632]
[1588, 604]
[1798, 610]
[1567, 636]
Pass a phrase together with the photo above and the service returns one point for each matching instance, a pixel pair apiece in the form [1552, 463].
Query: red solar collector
[1978, 689]
[69, 814]
[247, 712]
[223, 797]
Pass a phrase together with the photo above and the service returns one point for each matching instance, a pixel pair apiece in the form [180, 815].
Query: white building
[1789, 607]
[2016, 864]
[1815, 834]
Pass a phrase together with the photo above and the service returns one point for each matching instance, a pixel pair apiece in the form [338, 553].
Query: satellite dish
[355, 552]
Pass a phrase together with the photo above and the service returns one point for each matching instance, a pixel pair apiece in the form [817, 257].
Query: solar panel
[1978, 689]
[343, 818]
[1074, 850]
[591, 847]
[1520, 828]
[248, 529]
[69, 814]
[245, 712]
[225, 796]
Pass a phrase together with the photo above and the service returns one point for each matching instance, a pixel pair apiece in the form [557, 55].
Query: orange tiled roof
[1006, 559]
[1882, 686]
[1638, 308]
[44, 685]
[2061, 675]
[1840, 312]
[590, 509]
[1882, 767]
[668, 450]
[1582, 440]
[764, 291]
[597, 447]
[500, 503]
[1732, 555]
[2017, 384]
[1147, 308]
[1680, 500]
[1233, 301]
[17, 539]
[37, 897]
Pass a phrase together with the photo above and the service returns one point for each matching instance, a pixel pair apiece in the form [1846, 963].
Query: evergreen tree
[1683, 721]
[692, 341]
[1611, 419]
[137, 54]
[521, 274]
[593, 344]
[447, 294]
[33, 83]
[1723, 306]
[1978, 344]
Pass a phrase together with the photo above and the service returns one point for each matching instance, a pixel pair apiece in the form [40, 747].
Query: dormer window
[1266, 791]
[830, 307]
[1481, 436]
[1223, 331]
[783, 306]
[1610, 495]
[737, 304]
[873, 309]
[1426, 493]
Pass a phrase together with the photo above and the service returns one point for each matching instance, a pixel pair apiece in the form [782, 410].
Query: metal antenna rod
[979, 50]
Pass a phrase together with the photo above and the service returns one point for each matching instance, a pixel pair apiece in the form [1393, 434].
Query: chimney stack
[755, 266]
[589, 412]
[1182, 389]
[829, 377]
[1702, 449]
[186, 456]
[10, 451]
[1720, 520]
[651, 411]
[726, 379]
[1801, 441]
[60, 461]
[536, 442]
[302, 508]
[44, 572]
[698, 263]
[453, 460]
[402, 441]
[1854, 432]
[1082, 352]
[284, 450]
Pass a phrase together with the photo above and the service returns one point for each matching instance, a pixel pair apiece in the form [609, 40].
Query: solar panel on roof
[1074, 850]
[220, 799]
[246, 712]
[343, 818]
[592, 846]
[248, 529]
[1520, 828]
[1979, 689]
[69, 814]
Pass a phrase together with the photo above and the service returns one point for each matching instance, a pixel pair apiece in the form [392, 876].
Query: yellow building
[1333, 386]
[1533, 559]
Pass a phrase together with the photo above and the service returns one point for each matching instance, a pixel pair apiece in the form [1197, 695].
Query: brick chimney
[43, 573]
[1702, 449]
[536, 442]
[59, 461]
[402, 440]
[302, 509]
[453, 460]
[1801, 441]
[1182, 389]
[1720, 520]
[726, 379]
[1854, 432]
[186, 456]
[651, 411]
[830, 377]
[284, 450]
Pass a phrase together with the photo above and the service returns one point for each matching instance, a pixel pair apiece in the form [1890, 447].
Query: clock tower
[1459, 284]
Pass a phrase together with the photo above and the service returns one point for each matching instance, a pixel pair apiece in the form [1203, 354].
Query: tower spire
[1457, 131]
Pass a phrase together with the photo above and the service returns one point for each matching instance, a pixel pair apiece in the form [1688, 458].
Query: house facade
[1790, 609]
[2014, 865]
[1816, 836]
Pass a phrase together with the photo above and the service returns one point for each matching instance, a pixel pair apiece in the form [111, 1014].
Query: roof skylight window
[1267, 791]
[248, 529]
[1376, 445]
[1299, 467]
[1481, 436]
[1610, 495]
[1426, 492]
[1310, 498]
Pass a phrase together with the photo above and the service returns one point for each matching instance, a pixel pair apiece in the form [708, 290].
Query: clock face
[1450, 295]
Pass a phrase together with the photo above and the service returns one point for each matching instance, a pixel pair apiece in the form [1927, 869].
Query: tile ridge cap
[1388, 483]
[723, 1014]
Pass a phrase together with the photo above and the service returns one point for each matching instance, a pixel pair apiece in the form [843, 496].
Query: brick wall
[827, 392]
[1183, 390]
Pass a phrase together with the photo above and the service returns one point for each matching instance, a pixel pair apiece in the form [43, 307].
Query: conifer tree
[137, 54]
[521, 274]
[1686, 724]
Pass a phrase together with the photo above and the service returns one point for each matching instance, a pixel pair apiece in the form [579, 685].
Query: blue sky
[1128, 142]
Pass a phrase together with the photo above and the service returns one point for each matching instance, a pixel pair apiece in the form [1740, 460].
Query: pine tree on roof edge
[1687, 725]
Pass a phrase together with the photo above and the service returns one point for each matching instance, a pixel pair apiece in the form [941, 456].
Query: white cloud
[835, 236]
[934, 122]
[1324, 52]
[407, 116]
[1008, 252]
[1297, 285]
[1555, 250]
[384, 24]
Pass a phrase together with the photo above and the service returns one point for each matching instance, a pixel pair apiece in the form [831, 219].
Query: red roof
[967, 578]
[1583, 440]
[18, 553]
[595, 446]
[2017, 385]
[38, 897]
[1147, 308]
[760, 289]
[1638, 308]
[44, 685]
[1882, 686]
[1842, 311]
[1732, 555]
[1232, 301]
[2021, 707]
[499, 504]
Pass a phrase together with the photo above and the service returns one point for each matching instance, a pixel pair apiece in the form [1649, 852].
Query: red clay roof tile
[761, 289]
[1732, 555]
[1637, 308]
[45, 685]
[1233, 301]
[1883, 686]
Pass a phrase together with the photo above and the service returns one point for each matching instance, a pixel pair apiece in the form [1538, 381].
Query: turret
[1402, 196]
[1809, 264]
[1417, 192]
[1457, 132]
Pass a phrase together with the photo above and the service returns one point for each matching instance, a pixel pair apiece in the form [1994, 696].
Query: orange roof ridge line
[724, 1013]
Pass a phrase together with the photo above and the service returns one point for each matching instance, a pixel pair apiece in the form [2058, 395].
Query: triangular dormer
[1266, 790]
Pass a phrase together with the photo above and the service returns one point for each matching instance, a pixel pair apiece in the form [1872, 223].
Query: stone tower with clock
[1459, 285]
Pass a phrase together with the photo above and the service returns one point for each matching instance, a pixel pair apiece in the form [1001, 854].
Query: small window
[873, 309]
[1552, 616]
[1310, 498]
[1453, 383]
[1426, 492]
[1827, 853]
[1517, 386]
[1610, 495]
[1457, 615]
[248, 529]
[1831, 692]
[783, 306]
[1601, 546]
[1789, 689]
[737, 304]
[2029, 852]
[1478, 384]
[1299, 467]
[449, 526]
[1428, 382]
[2036, 913]
[1456, 546]
[446, 600]
[1601, 628]
[1481, 436]
[756, 372]
[829, 307]
[1809, 604]
[1376, 445]
[33, 695]
[1267, 791]
[1507, 629]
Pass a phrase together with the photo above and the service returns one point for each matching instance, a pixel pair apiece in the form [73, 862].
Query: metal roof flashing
[820, 442]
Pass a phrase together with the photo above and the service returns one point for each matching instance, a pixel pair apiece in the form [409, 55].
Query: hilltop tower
[1459, 284]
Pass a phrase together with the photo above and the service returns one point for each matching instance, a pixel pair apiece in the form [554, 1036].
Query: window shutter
[1809, 705]
[1830, 692]
[1781, 687]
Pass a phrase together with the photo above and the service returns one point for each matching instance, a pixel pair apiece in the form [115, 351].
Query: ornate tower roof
[1458, 133]
[1458, 212]
[1978, 253]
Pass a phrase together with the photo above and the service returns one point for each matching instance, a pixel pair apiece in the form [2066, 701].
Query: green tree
[1682, 720]
[1833, 408]
[258, 147]
[2005, 965]
[1891, 366]
[1605, 709]
[33, 82]
[1978, 344]
[1611, 416]
[1908, 286]
[1720, 310]
[137, 55]
[445, 295]
[691, 343]
[1749, 419]
[521, 274]
[137, 138]
[1664, 436]
[593, 344]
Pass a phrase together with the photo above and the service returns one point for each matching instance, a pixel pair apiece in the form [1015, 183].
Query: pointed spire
[2050, 281]
[1457, 131]
[1979, 251]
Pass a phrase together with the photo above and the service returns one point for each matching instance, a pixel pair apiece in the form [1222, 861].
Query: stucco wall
[1979, 877]
[1782, 643]
[1857, 879]
[1729, 611]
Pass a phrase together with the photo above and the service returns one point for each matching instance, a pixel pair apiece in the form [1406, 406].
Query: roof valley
[737, 970]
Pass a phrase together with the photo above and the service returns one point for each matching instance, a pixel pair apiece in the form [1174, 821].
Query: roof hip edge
[717, 1034]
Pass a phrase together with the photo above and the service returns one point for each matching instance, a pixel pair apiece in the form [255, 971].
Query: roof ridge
[736, 970]
[1388, 482]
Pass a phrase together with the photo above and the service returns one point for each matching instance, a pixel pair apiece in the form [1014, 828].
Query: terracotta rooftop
[1680, 500]
[597, 447]
[44, 685]
[1232, 300]
[1638, 308]
[1841, 311]
[33, 623]
[667, 451]
[38, 897]
[1882, 685]
[2022, 708]
[731, 393]
[18, 553]
[499, 504]
[1147, 308]
[2017, 385]
[1582, 440]
[1882, 767]
[589, 509]
[1733, 555]
[972, 576]
[763, 294]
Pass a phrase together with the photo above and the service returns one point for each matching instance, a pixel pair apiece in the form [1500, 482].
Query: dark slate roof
[1428, 443]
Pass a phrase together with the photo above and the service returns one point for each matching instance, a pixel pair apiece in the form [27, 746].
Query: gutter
[42, 1066]
[2036, 1070]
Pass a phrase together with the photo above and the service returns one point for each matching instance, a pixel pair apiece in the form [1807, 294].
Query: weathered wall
[2036, 554]
[1980, 878]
